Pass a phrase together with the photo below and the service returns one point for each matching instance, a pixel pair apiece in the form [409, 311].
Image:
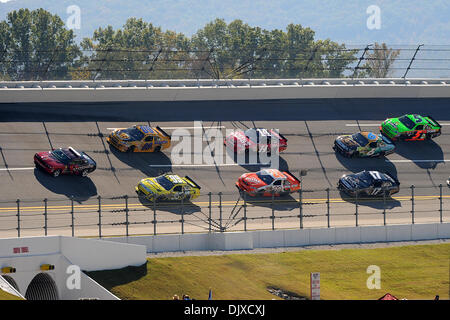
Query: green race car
[411, 127]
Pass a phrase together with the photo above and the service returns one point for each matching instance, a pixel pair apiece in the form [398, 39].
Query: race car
[267, 182]
[65, 161]
[363, 144]
[411, 127]
[139, 138]
[255, 139]
[371, 183]
[168, 186]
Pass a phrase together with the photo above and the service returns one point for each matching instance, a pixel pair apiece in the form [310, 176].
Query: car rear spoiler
[163, 132]
[290, 173]
[432, 119]
[393, 178]
[192, 182]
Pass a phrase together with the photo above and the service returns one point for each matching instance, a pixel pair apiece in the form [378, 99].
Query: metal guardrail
[211, 83]
[220, 212]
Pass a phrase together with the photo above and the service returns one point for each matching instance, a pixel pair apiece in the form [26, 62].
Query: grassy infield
[411, 272]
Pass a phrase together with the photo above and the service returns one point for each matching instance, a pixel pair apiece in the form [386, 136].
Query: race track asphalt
[310, 126]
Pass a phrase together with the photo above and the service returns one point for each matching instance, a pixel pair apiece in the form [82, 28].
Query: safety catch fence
[129, 215]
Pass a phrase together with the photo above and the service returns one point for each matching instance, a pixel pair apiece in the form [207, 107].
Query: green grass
[411, 272]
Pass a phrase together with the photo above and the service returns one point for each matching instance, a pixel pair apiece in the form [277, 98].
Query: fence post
[71, 213]
[410, 63]
[126, 214]
[209, 213]
[356, 208]
[328, 207]
[220, 211]
[182, 215]
[384, 207]
[245, 210]
[300, 204]
[412, 204]
[45, 216]
[273, 211]
[440, 202]
[154, 216]
[99, 216]
[18, 218]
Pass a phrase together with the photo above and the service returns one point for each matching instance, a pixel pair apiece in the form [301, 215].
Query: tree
[378, 64]
[137, 51]
[38, 45]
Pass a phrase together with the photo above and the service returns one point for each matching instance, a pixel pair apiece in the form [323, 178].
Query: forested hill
[402, 22]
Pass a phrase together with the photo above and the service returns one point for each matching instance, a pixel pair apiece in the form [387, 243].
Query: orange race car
[268, 181]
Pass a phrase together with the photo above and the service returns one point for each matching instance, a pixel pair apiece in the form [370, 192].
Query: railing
[225, 83]
[220, 212]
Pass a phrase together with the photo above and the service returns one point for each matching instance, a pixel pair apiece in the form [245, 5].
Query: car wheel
[381, 154]
[84, 173]
[56, 173]
[158, 149]
[130, 149]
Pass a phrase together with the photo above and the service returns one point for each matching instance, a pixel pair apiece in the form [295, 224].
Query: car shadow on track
[80, 188]
[421, 151]
[382, 164]
[280, 203]
[176, 207]
[149, 163]
[372, 202]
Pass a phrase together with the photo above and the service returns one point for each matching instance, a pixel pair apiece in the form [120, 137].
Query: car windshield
[61, 156]
[360, 139]
[134, 133]
[265, 177]
[164, 182]
[364, 177]
[407, 122]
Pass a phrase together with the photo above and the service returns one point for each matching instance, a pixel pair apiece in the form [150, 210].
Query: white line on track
[410, 161]
[376, 124]
[174, 128]
[209, 165]
[16, 169]
[362, 124]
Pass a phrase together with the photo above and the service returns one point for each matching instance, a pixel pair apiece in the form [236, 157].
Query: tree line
[36, 45]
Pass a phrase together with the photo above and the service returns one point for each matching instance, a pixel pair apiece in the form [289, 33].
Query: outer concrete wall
[191, 90]
[289, 238]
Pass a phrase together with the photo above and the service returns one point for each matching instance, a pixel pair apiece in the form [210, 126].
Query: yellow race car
[168, 186]
[139, 139]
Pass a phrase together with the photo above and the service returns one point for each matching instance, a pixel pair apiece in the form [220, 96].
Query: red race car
[255, 139]
[268, 181]
[65, 161]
